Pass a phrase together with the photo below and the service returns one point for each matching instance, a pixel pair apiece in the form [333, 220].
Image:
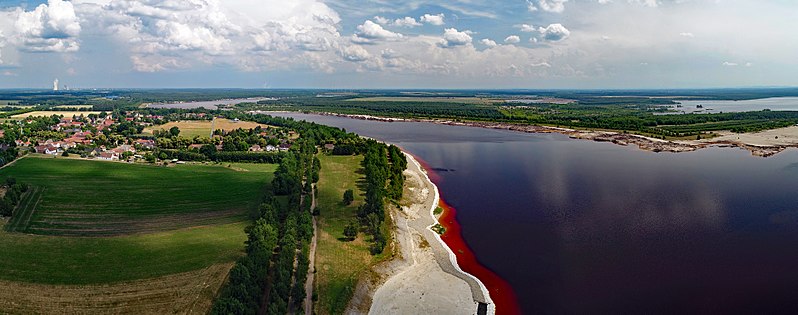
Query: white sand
[776, 137]
[416, 282]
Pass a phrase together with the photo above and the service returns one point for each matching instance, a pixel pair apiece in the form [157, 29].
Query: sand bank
[424, 278]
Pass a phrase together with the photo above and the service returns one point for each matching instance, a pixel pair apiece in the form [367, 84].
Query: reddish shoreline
[500, 290]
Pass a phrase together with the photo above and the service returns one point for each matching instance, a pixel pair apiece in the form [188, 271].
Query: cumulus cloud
[512, 39]
[51, 27]
[370, 32]
[686, 34]
[436, 19]
[488, 42]
[406, 22]
[235, 32]
[452, 38]
[554, 32]
[382, 20]
[557, 6]
[730, 64]
[526, 28]
[355, 53]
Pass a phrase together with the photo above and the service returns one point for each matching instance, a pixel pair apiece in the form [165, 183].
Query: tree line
[270, 278]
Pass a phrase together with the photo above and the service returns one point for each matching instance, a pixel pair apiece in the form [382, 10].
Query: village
[138, 137]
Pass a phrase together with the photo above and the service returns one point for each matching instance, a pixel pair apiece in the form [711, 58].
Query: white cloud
[531, 7]
[526, 28]
[512, 39]
[355, 53]
[406, 22]
[235, 32]
[488, 42]
[557, 6]
[389, 53]
[436, 19]
[382, 20]
[686, 34]
[730, 64]
[370, 32]
[452, 37]
[51, 27]
[554, 32]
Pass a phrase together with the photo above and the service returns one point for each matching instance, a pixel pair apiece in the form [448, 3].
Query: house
[108, 156]
[285, 147]
[271, 148]
[46, 149]
[146, 143]
[255, 148]
[124, 148]
[21, 143]
[195, 146]
[329, 147]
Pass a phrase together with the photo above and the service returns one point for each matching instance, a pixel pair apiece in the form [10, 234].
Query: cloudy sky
[399, 44]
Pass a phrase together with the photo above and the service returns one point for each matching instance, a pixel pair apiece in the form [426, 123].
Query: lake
[726, 106]
[208, 104]
[581, 227]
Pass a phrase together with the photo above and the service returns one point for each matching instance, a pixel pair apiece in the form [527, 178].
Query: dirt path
[312, 259]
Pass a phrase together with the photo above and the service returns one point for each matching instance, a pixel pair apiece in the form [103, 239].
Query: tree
[174, 131]
[350, 231]
[349, 196]
[65, 154]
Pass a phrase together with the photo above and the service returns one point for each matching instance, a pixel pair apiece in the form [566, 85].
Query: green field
[339, 264]
[91, 198]
[95, 260]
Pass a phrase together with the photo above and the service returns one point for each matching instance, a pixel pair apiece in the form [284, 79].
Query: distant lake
[581, 227]
[774, 104]
[208, 104]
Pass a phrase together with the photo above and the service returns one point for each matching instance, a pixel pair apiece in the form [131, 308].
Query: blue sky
[399, 44]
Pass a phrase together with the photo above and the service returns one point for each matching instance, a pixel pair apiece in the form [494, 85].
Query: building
[108, 156]
[255, 148]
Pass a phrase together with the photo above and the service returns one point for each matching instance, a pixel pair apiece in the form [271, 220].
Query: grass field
[459, 100]
[92, 198]
[51, 113]
[202, 128]
[184, 293]
[96, 260]
[339, 264]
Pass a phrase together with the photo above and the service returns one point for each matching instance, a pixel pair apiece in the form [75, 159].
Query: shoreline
[624, 139]
[491, 307]
[424, 276]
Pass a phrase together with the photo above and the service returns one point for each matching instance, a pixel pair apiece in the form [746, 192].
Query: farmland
[202, 128]
[89, 198]
[51, 113]
[100, 260]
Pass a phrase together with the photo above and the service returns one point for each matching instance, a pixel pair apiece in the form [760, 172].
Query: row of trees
[383, 167]
[270, 279]
[12, 197]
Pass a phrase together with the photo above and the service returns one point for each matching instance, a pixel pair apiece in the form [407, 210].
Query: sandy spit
[424, 277]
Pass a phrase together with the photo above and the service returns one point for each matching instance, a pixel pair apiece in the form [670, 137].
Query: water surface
[208, 104]
[580, 227]
[727, 106]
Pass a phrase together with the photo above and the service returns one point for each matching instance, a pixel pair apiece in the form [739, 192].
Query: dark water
[584, 227]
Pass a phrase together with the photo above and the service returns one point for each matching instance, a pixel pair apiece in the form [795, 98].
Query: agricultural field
[51, 113]
[100, 237]
[203, 128]
[339, 264]
[184, 293]
[73, 107]
[92, 198]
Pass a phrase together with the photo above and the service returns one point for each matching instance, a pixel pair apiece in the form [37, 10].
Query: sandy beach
[424, 277]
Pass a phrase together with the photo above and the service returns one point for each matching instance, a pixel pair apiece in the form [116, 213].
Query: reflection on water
[726, 106]
[585, 227]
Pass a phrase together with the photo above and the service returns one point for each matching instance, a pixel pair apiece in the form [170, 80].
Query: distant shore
[764, 144]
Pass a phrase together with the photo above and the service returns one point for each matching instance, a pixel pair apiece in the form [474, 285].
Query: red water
[500, 291]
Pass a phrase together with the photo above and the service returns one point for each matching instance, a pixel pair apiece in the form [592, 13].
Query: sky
[344, 44]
